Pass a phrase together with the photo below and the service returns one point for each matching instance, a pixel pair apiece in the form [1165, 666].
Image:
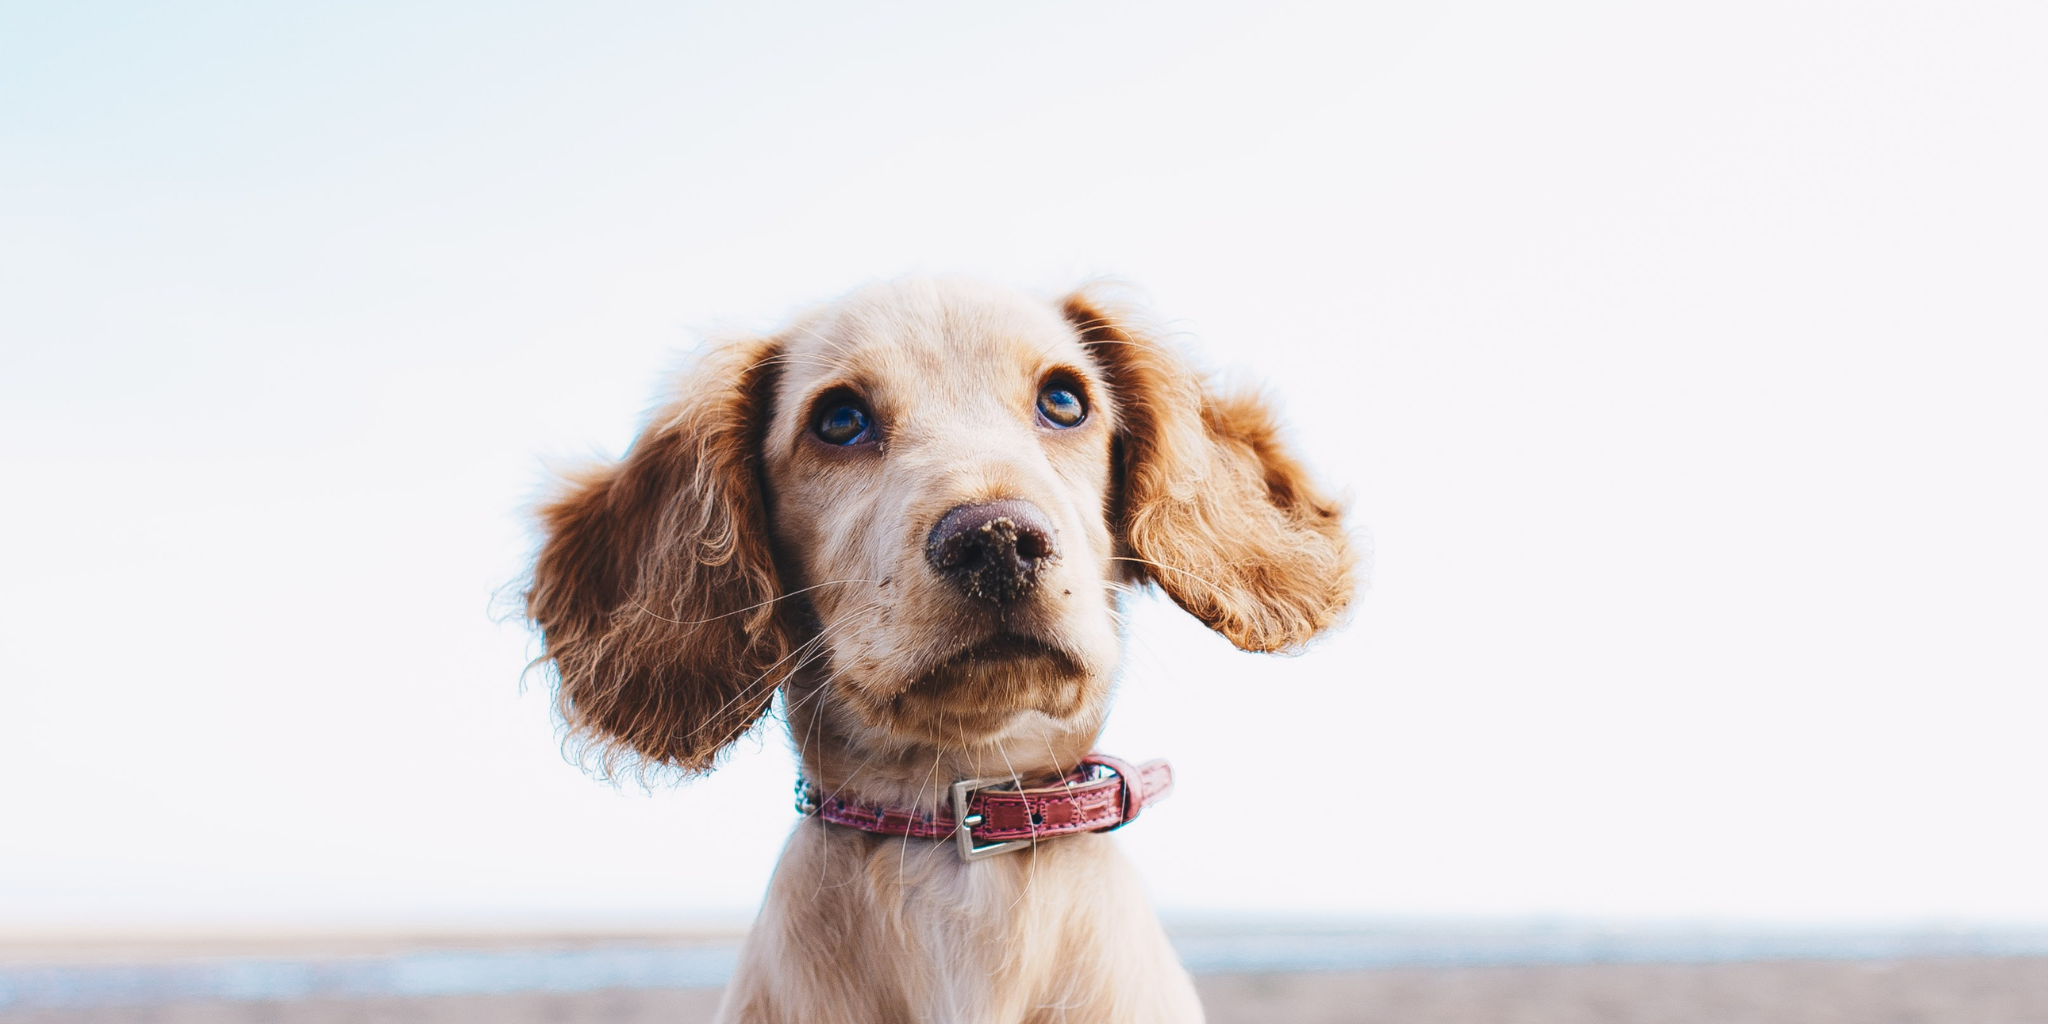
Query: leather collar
[1101, 793]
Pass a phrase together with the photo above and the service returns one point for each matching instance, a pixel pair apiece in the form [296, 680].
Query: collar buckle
[964, 822]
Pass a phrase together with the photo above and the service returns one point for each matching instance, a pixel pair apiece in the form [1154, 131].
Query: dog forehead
[931, 334]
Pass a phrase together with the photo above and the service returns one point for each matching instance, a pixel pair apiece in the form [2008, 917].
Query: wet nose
[992, 551]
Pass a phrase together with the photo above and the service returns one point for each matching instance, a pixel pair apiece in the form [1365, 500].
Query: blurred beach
[1975, 990]
[1246, 971]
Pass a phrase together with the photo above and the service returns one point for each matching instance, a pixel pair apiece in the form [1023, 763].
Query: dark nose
[994, 550]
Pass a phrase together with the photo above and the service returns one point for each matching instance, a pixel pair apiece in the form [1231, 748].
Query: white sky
[1686, 368]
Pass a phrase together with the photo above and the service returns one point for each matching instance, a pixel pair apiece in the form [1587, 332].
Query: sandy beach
[1985, 990]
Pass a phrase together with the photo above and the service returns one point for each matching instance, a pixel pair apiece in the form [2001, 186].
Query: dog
[915, 513]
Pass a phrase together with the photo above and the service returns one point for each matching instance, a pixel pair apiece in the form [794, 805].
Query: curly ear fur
[655, 589]
[1212, 508]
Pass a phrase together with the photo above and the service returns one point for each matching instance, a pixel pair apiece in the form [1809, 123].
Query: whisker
[1170, 568]
[747, 691]
[751, 607]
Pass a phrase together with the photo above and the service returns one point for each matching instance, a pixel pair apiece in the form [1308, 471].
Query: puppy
[914, 513]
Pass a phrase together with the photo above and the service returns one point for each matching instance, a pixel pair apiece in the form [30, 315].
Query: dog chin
[979, 690]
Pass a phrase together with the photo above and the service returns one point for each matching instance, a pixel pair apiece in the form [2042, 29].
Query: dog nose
[994, 550]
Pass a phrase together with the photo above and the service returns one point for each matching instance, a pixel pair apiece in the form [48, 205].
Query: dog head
[921, 505]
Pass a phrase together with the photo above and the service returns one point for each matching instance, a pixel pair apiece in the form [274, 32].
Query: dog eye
[843, 423]
[1060, 406]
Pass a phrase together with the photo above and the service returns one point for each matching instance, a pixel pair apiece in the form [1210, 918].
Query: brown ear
[1212, 508]
[655, 590]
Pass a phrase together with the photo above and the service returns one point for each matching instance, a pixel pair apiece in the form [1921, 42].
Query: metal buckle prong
[963, 823]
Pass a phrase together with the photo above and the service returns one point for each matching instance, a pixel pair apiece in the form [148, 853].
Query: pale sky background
[1687, 368]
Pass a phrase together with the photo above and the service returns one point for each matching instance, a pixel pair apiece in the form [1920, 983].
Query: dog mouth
[999, 652]
[1008, 647]
[977, 690]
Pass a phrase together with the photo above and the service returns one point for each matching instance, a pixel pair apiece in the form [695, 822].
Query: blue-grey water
[1216, 949]
[424, 973]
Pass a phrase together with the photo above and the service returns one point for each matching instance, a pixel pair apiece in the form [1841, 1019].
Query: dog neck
[842, 754]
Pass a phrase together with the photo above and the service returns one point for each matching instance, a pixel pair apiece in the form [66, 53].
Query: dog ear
[655, 589]
[1210, 506]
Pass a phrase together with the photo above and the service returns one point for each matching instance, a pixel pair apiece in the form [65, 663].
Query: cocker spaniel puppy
[913, 513]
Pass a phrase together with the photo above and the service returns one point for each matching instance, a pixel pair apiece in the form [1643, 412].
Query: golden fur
[733, 554]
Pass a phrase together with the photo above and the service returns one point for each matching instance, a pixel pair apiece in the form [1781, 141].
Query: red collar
[1101, 794]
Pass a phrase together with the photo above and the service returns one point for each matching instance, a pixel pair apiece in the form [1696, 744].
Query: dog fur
[734, 554]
